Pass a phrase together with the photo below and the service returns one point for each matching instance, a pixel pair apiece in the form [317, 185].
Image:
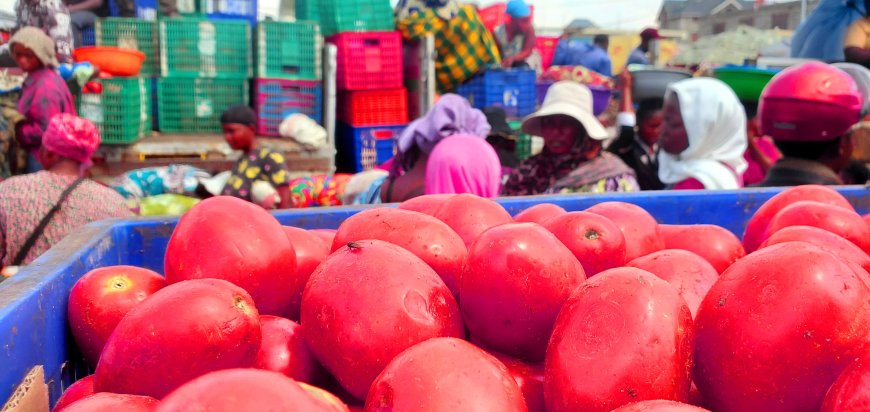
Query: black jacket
[796, 172]
[645, 166]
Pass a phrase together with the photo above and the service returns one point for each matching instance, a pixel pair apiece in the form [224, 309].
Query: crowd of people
[697, 135]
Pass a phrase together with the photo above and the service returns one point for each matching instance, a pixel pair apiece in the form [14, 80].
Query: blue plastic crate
[363, 148]
[33, 323]
[275, 99]
[230, 10]
[146, 9]
[513, 90]
[89, 37]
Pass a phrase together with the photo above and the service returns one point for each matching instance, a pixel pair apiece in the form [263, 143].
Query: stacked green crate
[338, 16]
[195, 105]
[195, 47]
[205, 66]
[121, 111]
[134, 34]
[308, 10]
[288, 50]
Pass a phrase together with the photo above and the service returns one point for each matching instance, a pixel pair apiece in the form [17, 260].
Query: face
[673, 138]
[560, 133]
[25, 58]
[651, 128]
[238, 136]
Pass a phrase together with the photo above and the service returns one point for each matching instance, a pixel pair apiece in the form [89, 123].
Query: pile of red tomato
[447, 303]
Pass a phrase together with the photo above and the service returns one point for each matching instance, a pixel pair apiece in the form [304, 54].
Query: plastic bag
[166, 205]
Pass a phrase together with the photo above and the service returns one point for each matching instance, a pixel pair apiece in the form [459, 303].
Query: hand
[507, 62]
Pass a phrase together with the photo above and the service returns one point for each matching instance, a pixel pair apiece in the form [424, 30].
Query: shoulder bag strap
[31, 240]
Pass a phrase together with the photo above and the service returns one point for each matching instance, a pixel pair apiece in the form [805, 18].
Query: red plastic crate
[547, 48]
[374, 107]
[495, 15]
[368, 61]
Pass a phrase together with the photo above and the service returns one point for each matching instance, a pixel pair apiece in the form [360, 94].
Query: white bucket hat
[571, 99]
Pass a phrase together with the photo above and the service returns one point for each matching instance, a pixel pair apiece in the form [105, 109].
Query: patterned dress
[25, 200]
[53, 18]
[258, 164]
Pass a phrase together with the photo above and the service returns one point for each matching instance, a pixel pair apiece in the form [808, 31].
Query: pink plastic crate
[275, 99]
[368, 61]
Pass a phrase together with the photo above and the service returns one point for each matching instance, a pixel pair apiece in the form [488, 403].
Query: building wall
[786, 16]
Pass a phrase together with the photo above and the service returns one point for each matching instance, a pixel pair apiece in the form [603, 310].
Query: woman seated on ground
[451, 115]
[257, 163]
[44, 93]
[573, 160]
[637, 143]
[703, 136]
[28, 201]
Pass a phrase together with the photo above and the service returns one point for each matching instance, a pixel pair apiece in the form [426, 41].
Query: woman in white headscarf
[703, 136]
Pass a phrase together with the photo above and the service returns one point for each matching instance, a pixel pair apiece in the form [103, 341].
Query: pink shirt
[754, 172]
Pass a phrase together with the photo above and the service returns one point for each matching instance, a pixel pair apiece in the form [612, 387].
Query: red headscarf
[72, 137]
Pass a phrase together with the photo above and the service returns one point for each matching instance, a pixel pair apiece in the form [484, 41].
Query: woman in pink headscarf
[39, 209]
[463, 164]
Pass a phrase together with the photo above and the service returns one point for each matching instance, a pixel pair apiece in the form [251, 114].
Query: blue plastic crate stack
[288, 70]
[512, 89]
[372, 103]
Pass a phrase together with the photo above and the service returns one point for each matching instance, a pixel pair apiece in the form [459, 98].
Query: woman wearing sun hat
[573, 160]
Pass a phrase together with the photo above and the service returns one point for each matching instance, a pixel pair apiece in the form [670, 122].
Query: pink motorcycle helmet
[810, 102]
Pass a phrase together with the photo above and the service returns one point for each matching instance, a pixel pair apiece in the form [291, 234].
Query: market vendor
[44, 93]
[573, 160]
[516, 38]
[703, 136]
[640, 55]
[809, 111]
[637, 144]
[463, 46]
[53, 18]
[39, 209]
[257, 162]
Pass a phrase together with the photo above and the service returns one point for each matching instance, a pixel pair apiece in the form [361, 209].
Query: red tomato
[470, 215]
[445, 375]
[209, 242]
[837, 220]
[659, 406]
[689, 274]
[425, 236]
[539, 214]
[101, 298]
[641, 230]
[779, 327]
[310, 251]
[284, 350]
[426, 204]
[515, 281]
[594, 240]
[822, 238]
[756, 228]
[235, 390]
[530, 379]
[368, 302]
[625, 336]
[326, 235]
[851, 391]
[181, 332]
[112, 402]
[333, 402]
[81, 389]
[714, 243]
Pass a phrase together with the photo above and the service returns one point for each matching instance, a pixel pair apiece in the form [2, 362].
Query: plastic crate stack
[372, 106]
[512, 89]
[121, 107]
[205, 67]
[288, 73]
